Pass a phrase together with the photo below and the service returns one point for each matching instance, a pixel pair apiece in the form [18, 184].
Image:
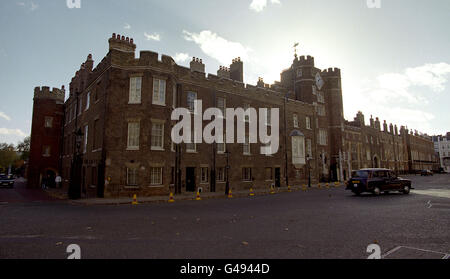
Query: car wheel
[377, 191]
[406, 190]
[386, 192]
[357, 193]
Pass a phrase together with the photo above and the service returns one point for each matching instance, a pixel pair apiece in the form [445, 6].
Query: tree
[8, 156]
[24, 148]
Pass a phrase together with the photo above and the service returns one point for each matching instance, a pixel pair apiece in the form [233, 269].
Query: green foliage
[24, 148]
[8, 156]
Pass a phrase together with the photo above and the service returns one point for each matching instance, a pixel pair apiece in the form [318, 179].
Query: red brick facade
[45, 145]
[104, 106]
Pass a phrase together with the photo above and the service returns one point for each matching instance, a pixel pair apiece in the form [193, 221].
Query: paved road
[316, 224]
[20, 194]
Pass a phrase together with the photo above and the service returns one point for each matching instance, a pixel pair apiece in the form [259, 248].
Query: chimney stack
[121, 43]
[197, 65]
[223, 72]
[237, 70]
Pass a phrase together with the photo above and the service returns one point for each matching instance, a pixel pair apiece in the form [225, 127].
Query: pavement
[318, 224]
[62, 195]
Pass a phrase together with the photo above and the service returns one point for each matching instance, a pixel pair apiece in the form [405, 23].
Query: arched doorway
[48, 178]
[375, 162]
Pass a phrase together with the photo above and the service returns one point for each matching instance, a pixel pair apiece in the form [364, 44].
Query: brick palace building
[112, 136]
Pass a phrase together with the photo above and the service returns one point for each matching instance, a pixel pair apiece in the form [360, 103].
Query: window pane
[86, 132]
[156, 176]
[159, 91]
[131, 177]
[157, 135]
[191, 97]
[135, 90]
[133, 134]
[205, 175]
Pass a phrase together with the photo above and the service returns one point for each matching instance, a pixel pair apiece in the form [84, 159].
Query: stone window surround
[130, 76]
[158, 121]
[128, 120]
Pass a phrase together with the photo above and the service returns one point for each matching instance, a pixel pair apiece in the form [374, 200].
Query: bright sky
[395, 59]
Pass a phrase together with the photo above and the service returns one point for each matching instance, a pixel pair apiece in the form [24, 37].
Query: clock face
[299, 73]
[319, 81]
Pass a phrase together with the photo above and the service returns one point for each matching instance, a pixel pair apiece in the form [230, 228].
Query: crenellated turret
[45, 93]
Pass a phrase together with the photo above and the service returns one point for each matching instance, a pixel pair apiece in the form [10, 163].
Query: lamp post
[308, 160]
[227, 169]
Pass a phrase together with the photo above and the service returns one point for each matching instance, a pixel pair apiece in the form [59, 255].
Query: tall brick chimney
[121, 43]
[237, 70]
[197, 65]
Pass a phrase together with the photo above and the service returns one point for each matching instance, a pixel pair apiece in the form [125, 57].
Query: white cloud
[127, 26]
[217, 47]
[399, 97]
[4, 116]
[154, 36]
[12, 132]
[181, 57]
[432, 75]
[260, 5]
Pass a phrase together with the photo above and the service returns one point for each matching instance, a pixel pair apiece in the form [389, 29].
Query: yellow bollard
[171, 199]
[135, 202]
[328, 186]
[230, 194]
[252, 194]
[289, 189]
[272, 190]
[319, 186]
[198, 198]
[304, 188]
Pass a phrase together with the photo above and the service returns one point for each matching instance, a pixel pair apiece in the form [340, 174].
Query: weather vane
[295, 49]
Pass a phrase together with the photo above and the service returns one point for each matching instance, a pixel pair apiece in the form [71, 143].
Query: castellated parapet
[331, 72]
[306, 61]
[45, 93]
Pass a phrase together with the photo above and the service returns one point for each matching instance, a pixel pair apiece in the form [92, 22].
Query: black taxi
[376, 181]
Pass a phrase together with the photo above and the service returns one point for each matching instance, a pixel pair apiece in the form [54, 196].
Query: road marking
[396, 249]
[440, 193]
[392, 251]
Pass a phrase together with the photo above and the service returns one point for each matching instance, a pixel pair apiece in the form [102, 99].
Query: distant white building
[442, 146]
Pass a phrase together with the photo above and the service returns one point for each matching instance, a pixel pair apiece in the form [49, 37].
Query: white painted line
[423, 250]
[440, 193]
[446, 256]
[392, 251]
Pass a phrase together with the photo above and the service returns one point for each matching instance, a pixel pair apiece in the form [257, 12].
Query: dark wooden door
[190, 180]
[277, 177]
